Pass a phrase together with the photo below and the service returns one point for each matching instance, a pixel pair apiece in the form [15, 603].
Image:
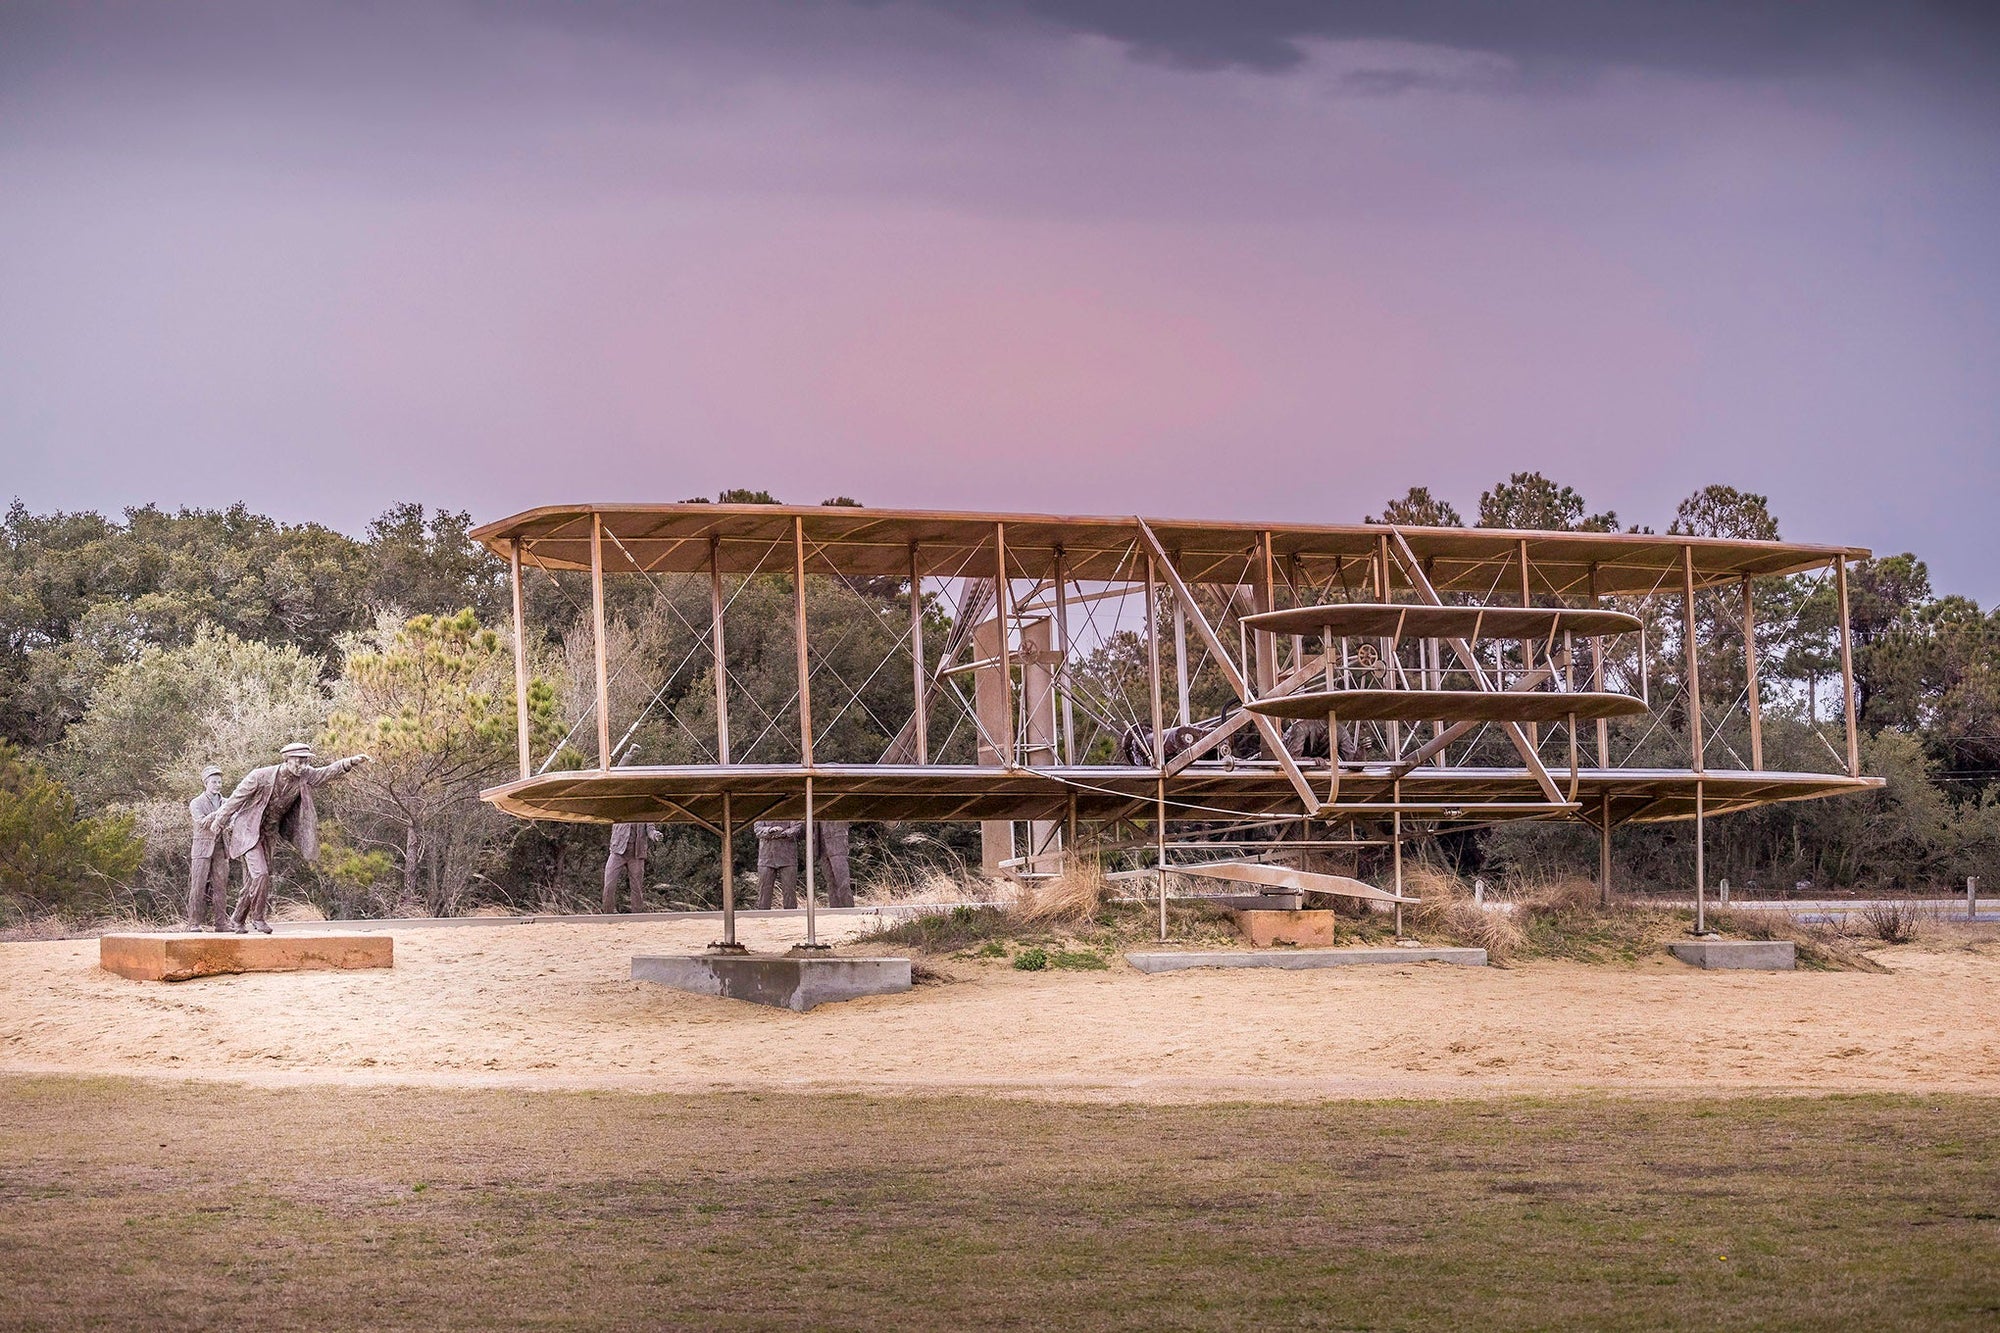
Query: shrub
[1892, 922]
[1034, 959]
[48, 856]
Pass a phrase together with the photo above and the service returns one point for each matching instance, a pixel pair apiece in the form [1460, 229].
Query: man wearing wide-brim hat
[272, 802]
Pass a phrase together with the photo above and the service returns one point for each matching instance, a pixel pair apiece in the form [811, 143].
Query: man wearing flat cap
[275, 801]
[208, 865]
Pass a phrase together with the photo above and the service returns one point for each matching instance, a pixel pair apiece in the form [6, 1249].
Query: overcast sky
[1242, 259]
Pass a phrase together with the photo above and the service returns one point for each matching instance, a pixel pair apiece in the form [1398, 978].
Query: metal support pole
[1003, 615]
[804, 661]
[1533, 729]
[1569, 684]
[721, 656]
[1645, 666]
[1437, 683]
[520, 661]
[1265, 646]
[1159, 737]
[1396, 834]
[1181, 710]
[1153, 666]
[1693, 656]
[1604, 851]
[597, 635]
[812, 855]
[1160, 848]
[918, 669]
[1597, 677]
[1069, 834]
[728, 874]
[1847, 671]
[1062, 676]
[1750, 678]
[1700, 863]
[1294, 577]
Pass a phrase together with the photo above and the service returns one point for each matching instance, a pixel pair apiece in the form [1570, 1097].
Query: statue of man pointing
[272, 802]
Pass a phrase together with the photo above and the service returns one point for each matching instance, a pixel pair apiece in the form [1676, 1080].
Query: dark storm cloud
[440, 43]
[1006, 252]
[1741, 37]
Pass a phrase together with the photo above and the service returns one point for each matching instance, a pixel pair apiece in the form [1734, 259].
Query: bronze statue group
[276, 801]
[272, 802]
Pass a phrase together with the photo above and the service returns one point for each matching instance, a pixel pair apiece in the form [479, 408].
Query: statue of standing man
[830, 840]
[778, 860]
[275, 801]
[208, 864]
[630, 845]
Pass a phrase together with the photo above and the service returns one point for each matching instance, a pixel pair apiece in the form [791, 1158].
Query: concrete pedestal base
[181, 956]
[784, 982]
[1261, 929]
[1755, 955]
[1303, 958]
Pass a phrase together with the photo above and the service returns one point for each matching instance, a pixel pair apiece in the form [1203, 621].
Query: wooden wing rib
[1286, 877]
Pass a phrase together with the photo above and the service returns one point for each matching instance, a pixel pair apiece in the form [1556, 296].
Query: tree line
[135, 649]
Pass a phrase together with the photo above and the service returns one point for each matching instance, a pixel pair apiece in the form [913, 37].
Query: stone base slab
[1753, 955]
[184, 955]
[1303, 958]
[1306, 928]
[785, 982]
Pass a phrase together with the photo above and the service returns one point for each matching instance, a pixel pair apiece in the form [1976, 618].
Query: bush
[1892, 922]
[49, 858]
[1034, 959]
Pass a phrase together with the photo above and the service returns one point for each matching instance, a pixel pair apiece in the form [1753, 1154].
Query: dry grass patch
[1551, 917]
[1821, 946]
[421, 1208]
[1065, 922]
[968, 933]
[1560, 917]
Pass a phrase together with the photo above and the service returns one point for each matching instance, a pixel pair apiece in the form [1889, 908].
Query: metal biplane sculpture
[1369, 681]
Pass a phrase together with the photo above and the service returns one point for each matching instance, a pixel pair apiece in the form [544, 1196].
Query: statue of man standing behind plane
[629, 849]
[272, 802]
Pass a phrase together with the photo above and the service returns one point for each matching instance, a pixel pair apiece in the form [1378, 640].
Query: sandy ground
[552, 1006]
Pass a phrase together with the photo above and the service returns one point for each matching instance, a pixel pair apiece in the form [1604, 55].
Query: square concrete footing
[1294, 959]
[785, 982]
[184, 955]
[1752, 955]
[1305, 929]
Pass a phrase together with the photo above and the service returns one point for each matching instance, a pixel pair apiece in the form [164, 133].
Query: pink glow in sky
[1094, 257]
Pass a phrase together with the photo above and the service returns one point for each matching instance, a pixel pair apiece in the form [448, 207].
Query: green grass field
[199, 1205]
